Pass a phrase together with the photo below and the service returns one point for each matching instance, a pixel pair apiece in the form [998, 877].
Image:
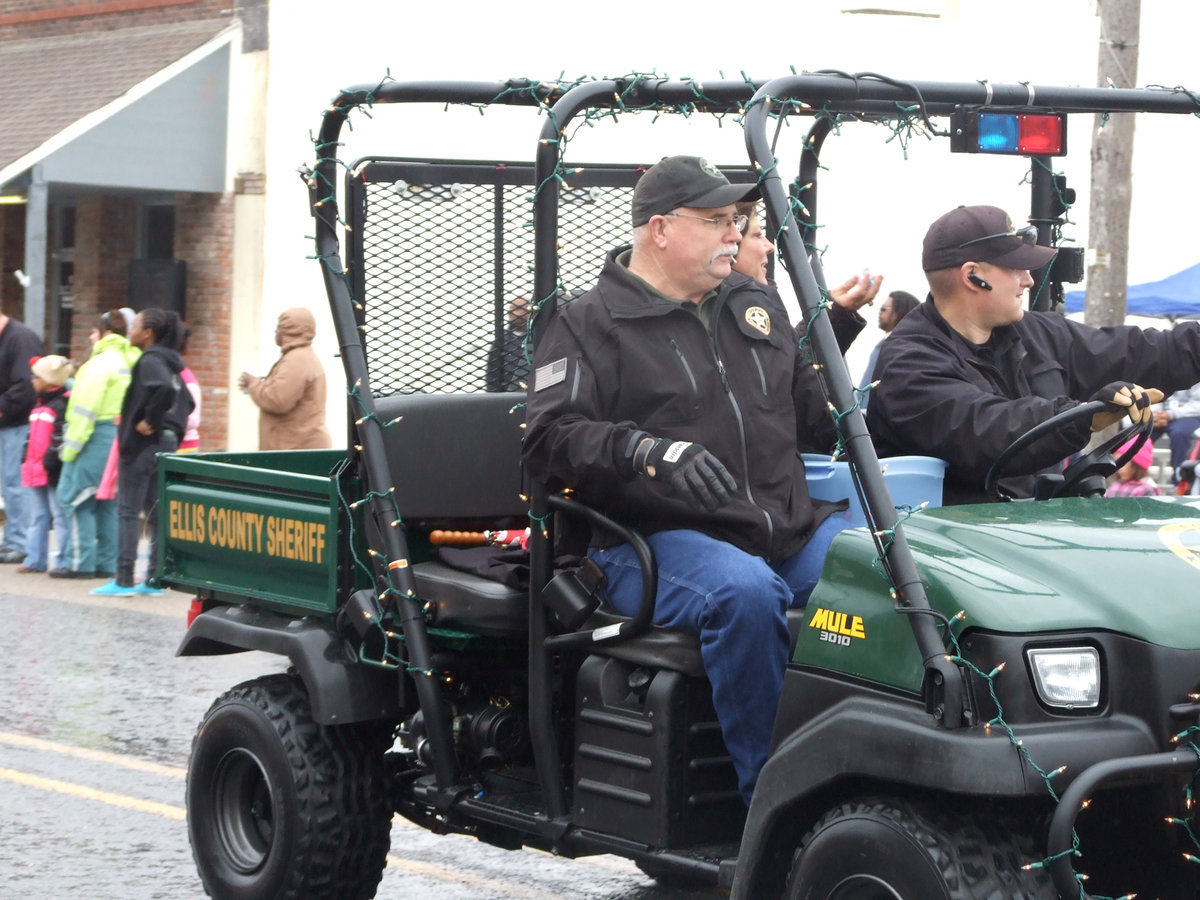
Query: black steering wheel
[1086, 476]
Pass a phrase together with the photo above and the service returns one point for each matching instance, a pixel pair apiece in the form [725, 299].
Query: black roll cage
[824, 94]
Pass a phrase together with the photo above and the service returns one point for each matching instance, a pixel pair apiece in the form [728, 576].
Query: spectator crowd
[79, 440]
[66, 457]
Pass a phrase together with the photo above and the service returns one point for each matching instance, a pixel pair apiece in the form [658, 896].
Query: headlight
[1066, 677]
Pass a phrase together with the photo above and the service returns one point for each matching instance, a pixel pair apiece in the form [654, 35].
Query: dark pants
[137, 492]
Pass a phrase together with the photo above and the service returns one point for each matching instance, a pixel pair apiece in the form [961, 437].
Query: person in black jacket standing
[971, 369]
[673, 396]
[153, 420]
[18, 345]
[897, 305]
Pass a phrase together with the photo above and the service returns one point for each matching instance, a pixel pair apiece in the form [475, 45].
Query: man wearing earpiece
[971, 369]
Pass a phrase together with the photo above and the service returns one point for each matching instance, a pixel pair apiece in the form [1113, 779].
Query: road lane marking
[164, 810]
[112, 759]
[493, 887]
[427, 870]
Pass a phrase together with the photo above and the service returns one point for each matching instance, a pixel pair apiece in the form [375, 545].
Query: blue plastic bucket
[912, 480]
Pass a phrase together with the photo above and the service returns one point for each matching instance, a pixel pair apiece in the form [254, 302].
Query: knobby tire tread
[979, 857]
[343, 826]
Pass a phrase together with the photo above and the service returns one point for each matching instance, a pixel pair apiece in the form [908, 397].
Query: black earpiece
[978, 282]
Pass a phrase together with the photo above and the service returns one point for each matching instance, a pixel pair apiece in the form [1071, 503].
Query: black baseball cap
[676, 181]
[982, 234]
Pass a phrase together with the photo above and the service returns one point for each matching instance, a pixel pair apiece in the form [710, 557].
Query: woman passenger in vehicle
[755, 250]
[848, 298]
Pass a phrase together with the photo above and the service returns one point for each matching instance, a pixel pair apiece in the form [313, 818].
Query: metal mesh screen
[442, 258]
[429, 271]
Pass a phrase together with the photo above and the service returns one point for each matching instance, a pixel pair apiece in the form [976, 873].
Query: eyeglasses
[719, 222]
[1028, 236]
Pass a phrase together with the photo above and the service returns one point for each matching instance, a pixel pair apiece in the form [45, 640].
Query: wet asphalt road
[96, 721]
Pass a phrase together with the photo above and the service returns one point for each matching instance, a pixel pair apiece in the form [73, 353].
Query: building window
[158, 232]
[62, 277]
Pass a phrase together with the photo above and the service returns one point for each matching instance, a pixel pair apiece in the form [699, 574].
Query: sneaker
[112, 589]
[144, 590]
[22, 568]
[12, 555]
[69, 573]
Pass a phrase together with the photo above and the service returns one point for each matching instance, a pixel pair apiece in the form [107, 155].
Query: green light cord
[1062, 201]
[388, 659]
[999, 722]
[805, 343]
[348, 507]
[354, 392]
[1047, 777]
[542, 522]
[1180, 88]
[886, 537]
[909, 122]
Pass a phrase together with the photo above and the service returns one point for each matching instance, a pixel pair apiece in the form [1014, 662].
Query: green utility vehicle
[963, 679]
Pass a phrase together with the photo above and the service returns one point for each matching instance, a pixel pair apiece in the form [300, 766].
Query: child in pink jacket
[40, 470]
[1133, 479]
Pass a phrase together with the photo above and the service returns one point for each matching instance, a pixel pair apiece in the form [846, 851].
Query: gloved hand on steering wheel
[1124, 398]
[695, 474]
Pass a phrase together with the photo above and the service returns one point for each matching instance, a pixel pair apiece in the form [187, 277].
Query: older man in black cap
[971, 369]
[672, 395]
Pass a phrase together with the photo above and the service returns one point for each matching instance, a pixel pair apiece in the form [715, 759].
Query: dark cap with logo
[981, 234]
[677, 181]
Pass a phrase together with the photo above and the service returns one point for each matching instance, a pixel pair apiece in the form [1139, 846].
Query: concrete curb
[39, 585]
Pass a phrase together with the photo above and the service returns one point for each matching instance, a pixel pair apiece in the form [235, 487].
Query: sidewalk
[72, 590]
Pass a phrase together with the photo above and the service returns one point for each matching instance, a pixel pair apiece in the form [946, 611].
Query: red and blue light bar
[1009, 133]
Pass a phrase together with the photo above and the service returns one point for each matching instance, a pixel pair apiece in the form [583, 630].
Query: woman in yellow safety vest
[91, 430]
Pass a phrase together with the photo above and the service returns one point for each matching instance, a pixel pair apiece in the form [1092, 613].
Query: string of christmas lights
[1179, 88]
[885, 537]
[909, 122]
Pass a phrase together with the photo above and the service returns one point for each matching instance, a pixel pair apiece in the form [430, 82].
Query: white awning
[142, 108]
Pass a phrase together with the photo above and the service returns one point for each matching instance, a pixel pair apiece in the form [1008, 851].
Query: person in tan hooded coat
[291, 397]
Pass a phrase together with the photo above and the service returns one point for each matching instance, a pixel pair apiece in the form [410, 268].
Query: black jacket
[156, 394]
[620, 359]
[18, 344]
[939, 395]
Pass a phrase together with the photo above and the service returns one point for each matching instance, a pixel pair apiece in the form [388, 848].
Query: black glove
[1124, 398]
[694, 473]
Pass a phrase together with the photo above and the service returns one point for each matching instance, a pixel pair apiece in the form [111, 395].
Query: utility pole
[1112, 155]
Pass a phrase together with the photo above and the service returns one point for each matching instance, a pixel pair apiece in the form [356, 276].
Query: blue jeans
[45, 511]
[16, 495]
[736, 603]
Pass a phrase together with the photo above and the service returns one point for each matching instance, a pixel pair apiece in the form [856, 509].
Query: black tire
[889, 849]
[281, 807]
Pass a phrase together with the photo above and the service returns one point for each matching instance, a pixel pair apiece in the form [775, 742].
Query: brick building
[131, 151]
